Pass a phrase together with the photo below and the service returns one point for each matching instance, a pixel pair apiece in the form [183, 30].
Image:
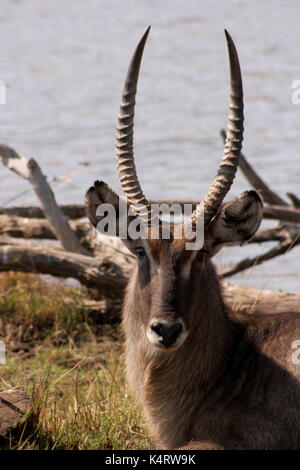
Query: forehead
[169, 249]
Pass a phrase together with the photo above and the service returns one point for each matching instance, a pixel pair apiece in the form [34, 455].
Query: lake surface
[64, 63]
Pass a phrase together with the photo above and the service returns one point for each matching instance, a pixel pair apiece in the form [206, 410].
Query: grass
[70, 365]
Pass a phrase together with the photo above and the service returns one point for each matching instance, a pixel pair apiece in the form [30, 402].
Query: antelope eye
[140, 252]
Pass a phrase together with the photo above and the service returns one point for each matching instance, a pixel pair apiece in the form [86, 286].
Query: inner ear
[237, 221]
[97, 195]
[103, 207]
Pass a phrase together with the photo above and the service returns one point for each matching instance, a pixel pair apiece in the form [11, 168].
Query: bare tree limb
[287, 213]
[280, 249]
[257, 301]
[40, 229]
[76, 211]
[110, 280]
[295, 200]
[238, 298]
[32, 172]
[71, 211]
[278, 233]
[96, 272]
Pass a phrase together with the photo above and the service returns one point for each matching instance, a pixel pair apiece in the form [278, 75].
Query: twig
[280, 249]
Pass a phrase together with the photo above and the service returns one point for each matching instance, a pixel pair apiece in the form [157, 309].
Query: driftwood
[30, 170]
[76, 211]
[286, 213]
[288, 237]
[238, 299]
[110, 279]
[96, 272]
[295, 200]
[71, 211]
[256, 301]
[108, 268]
[40, 229]
[32, 228]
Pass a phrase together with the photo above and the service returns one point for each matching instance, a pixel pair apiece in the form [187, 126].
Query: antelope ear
[99, 194]
[108, 212]
[237, 221]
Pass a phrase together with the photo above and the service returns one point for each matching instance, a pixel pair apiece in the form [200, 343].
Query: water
[64, 63]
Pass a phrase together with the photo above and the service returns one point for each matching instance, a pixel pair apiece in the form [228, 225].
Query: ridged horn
[124, 135]
[232, 148]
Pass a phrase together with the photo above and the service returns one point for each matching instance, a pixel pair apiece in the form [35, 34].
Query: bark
[71, 211]
[76, 211]
[295, 200]
[100, 272]
[40, 229]
[287, 213]
[37, 228]
[280, 249]
[244, 299]
[238, 298]
[30, 170]
[109, 274]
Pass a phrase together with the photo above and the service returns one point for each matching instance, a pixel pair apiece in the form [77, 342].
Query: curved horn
[233, 144]
[124, 136]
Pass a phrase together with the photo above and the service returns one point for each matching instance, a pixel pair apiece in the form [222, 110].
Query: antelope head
[166, 268]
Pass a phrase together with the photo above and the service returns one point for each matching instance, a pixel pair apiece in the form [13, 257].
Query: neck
[209, 336]
[167, 383]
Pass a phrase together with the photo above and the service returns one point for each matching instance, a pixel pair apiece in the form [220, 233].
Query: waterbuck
[206, 378]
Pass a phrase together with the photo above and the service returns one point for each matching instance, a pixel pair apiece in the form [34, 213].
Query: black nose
[167, 334]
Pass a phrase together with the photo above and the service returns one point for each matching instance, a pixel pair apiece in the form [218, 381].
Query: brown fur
[231, 384]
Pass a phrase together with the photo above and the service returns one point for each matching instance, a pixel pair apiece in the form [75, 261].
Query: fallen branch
[98, 272]
[256, 301]
[32, 228]
[238, 298]
[77, 236]
[287, 213]
[280, 249]
[71, 211]
[295, 200]
[277, 233]
[109, 275]
[30, 170]
[40, 229]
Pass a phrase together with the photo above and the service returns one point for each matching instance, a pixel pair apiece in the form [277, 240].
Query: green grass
[72, 368]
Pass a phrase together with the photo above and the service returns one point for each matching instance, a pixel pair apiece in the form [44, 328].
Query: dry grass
[72, 368]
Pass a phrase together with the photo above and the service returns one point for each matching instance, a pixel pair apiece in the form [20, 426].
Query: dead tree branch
[256, 301]
[110, 279]
[98, 272]
[76, 211]
[30, 170]
[71, 211]
[295, 200]
[287, 213]
[280, 249]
